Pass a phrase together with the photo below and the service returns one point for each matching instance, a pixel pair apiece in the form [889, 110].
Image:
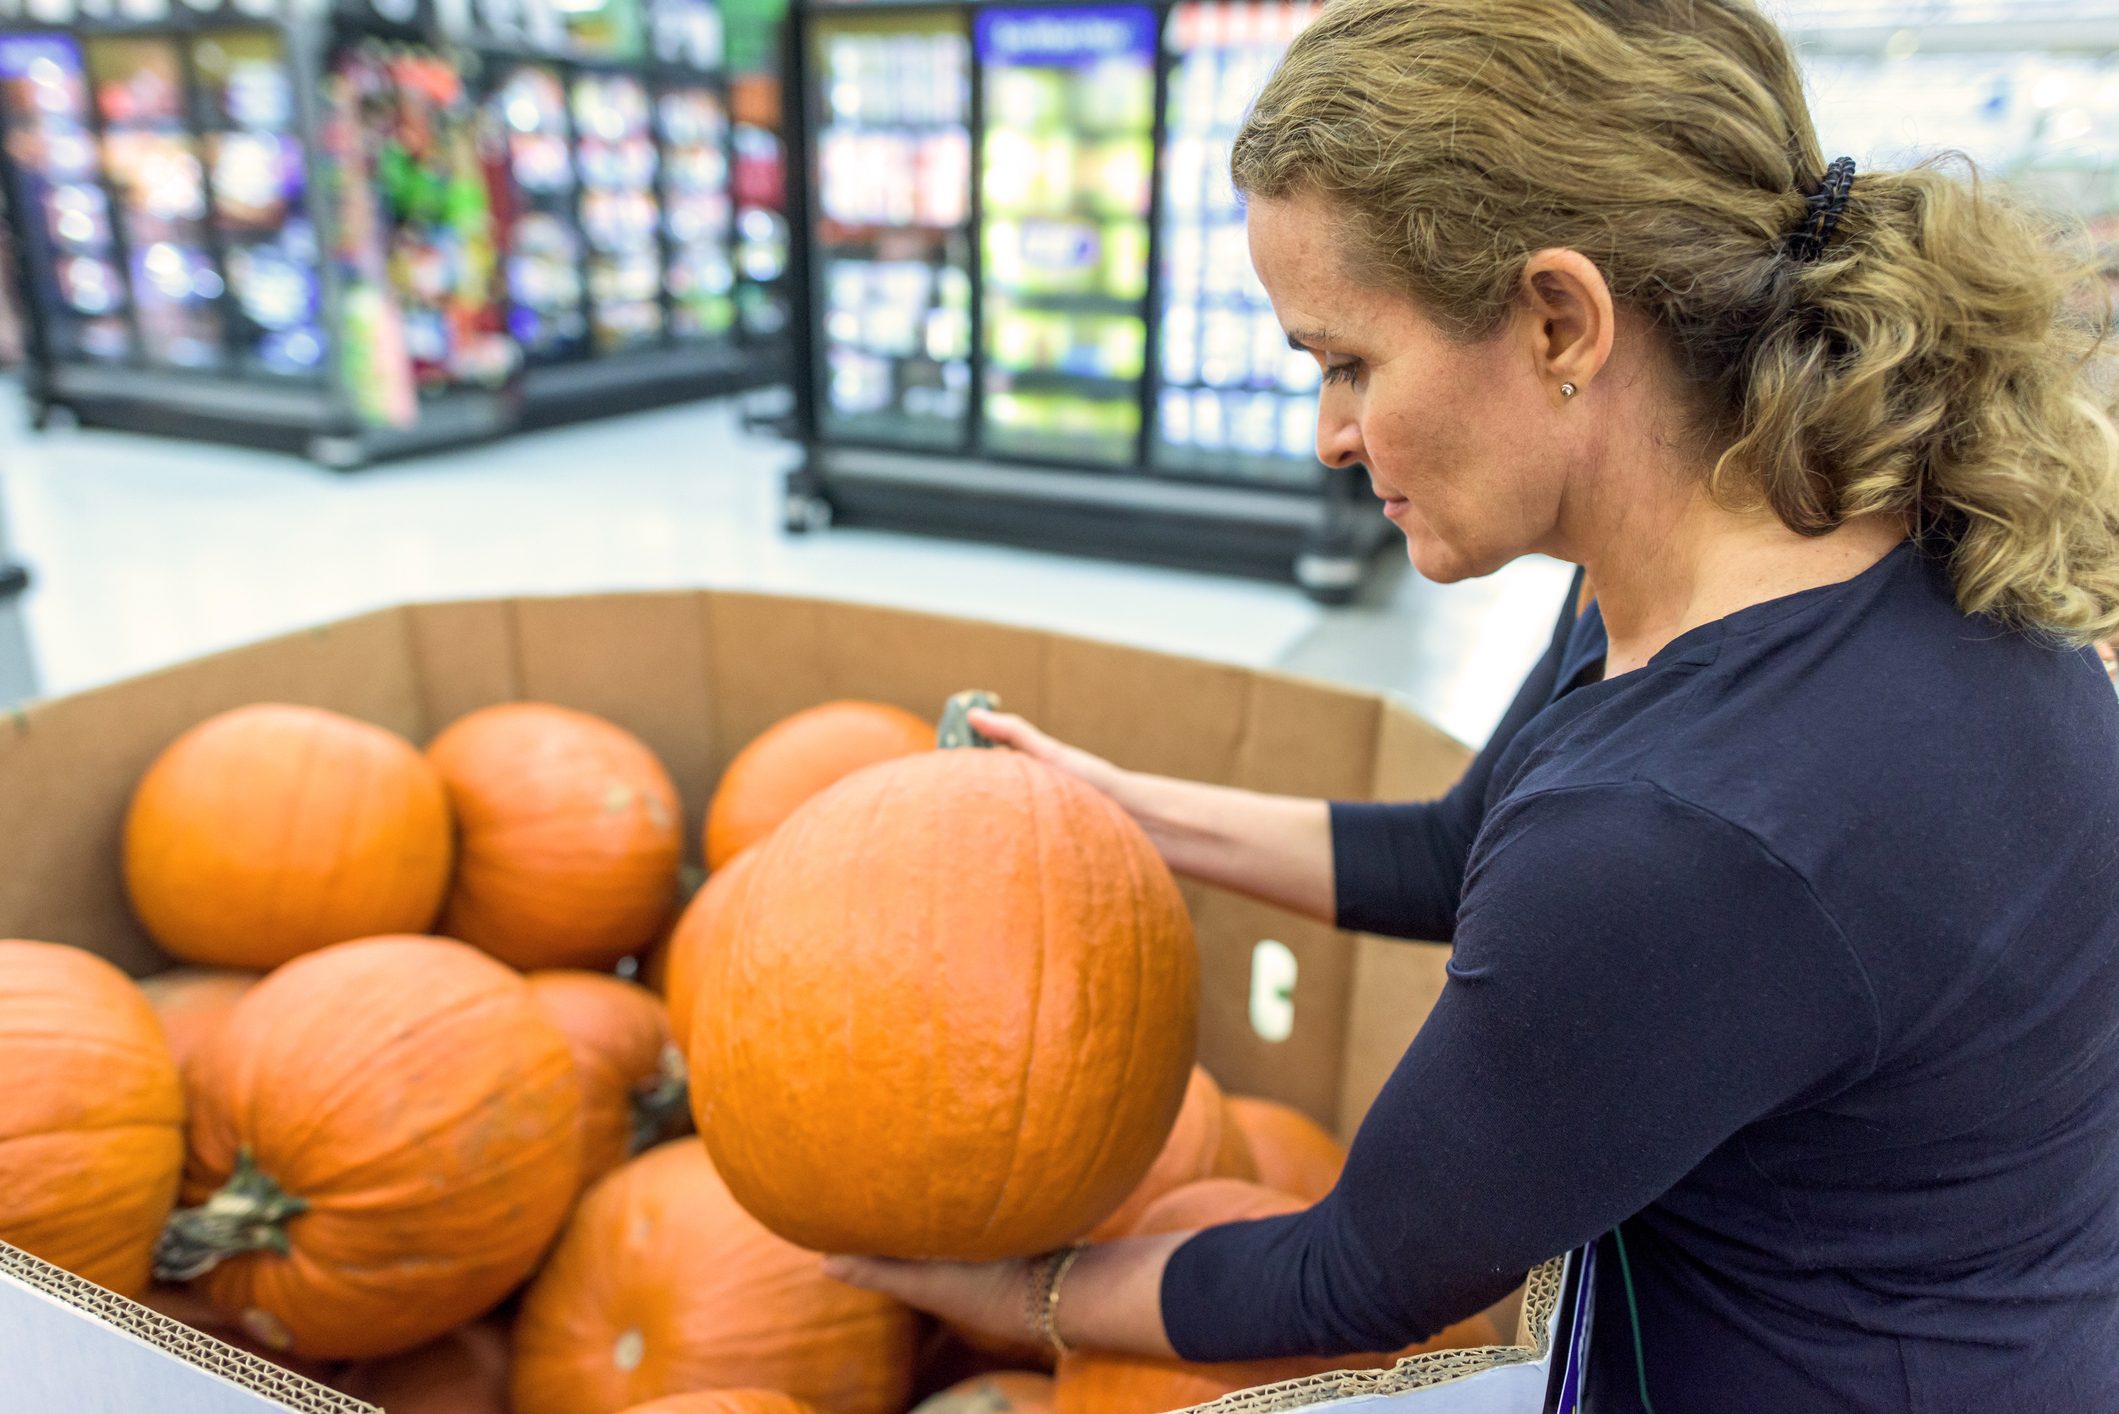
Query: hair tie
[1822, 210]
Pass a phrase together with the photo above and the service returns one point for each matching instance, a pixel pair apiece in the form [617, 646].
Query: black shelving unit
[1003, 216]
[334, 305]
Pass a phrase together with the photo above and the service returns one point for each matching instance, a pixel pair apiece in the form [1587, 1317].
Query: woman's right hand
[1276, 848]
[1010, 730]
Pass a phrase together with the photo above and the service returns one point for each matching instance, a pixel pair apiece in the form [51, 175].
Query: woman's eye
[1345, 372]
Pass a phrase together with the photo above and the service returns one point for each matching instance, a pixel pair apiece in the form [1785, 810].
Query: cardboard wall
[698, 674]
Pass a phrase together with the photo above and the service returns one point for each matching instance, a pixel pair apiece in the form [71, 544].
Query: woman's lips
[1395, 506]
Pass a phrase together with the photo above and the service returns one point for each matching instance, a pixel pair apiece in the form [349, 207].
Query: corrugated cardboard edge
[239, 1367]
[1541, 1299]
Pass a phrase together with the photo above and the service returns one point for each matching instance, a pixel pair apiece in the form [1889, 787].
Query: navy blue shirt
[1796, 952]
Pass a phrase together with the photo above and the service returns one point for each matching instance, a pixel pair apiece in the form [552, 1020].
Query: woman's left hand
[989, 1298]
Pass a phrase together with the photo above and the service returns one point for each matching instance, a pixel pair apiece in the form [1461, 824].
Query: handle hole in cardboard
[1273, 990]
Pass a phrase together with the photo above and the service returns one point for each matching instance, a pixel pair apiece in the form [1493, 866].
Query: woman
[1785, 902]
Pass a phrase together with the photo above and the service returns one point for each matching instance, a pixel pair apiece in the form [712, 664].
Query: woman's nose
[1338, 438]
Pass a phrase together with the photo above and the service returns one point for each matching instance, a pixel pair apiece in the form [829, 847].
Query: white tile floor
[147, 552]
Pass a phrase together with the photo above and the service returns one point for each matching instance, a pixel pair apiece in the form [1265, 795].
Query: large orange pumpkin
[1293, 1152]
[968, 979]
[569, 832]
[722, 1401]
[193, 1002]
[1097, 1383]
[387, 1132]
[91, 1115]
[663, 1284]
[686, 953]
[1204, 1143]
[1006, 1392]
[632, 1079]
[795, 759]
[464, 1372]
[269, 831]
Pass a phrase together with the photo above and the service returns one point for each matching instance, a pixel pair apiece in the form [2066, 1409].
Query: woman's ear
[1570, 320]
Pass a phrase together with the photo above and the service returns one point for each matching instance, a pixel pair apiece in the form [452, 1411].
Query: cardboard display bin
[1292, 1009]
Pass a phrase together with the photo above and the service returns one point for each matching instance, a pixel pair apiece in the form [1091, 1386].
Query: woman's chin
[1434, 560]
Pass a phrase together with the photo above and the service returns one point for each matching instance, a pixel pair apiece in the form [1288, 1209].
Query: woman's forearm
[1111, 1298]
[1272, 847]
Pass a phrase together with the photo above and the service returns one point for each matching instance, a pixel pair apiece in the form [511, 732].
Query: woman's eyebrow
[1307, 340]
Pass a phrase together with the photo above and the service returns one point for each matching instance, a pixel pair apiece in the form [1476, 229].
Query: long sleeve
[1398, 869]
[1634, 979]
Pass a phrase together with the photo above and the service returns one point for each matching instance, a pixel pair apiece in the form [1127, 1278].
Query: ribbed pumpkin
[464, 1372]
[968, 979]
[1292, 1152]
[1094, 1383]
[722, 1401]
[1204, 1143]
[270, 831]
[663, 1284]
[686, 953]
[1007, 1392]
[795, 759]
[91, 1115]
[193, 1002]
[387, 1132]
[632, 1079]
[569, 836]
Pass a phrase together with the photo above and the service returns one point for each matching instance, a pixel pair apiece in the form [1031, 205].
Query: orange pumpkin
[722, 1401]
[1097, 1383]
[569, 833]
[686, 953]
[91, 1115]
[1006, 1392]
[193, 1002]
[464, 1372]
[1204, 1143]
[387, 1129]
[663, 1284]
[963, 976]
[795, 759]
[1293, 1152]
[181, 1303]
[270, 831]
[632, 1080]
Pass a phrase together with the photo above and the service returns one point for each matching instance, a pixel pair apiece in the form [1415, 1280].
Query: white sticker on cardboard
[1273, 990]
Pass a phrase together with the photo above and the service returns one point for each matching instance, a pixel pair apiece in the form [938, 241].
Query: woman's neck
[1659, 576]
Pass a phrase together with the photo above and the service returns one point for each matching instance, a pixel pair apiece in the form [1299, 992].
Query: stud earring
[1568, 390]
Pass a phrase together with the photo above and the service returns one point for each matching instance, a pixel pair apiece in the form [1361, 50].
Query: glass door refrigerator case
[893, 232]
[548, 306]
[1066, 173]
[138, 87]
[698, 225]
[1064, 345]
[244, 95]
[76, 293]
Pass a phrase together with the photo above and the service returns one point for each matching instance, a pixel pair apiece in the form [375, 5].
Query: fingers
[1009, 730]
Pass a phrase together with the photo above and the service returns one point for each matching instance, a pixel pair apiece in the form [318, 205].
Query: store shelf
[1091, 304]
[2057, 35]
[1053, 380]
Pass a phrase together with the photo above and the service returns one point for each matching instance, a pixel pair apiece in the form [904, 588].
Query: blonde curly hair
[1945, 362]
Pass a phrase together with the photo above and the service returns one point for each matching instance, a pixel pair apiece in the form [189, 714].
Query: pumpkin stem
[956, 730]
[248, 1214]
[659, 1102]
